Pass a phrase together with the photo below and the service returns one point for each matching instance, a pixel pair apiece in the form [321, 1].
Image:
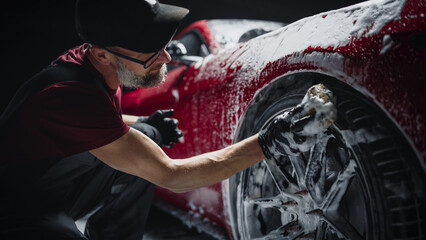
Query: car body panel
[368, 46]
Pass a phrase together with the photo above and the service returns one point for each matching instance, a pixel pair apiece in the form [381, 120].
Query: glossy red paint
[210, 97]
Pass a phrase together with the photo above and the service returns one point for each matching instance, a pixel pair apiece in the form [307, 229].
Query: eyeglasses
[146, 64]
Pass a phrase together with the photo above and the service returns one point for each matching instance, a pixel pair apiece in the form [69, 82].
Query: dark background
[35, 32]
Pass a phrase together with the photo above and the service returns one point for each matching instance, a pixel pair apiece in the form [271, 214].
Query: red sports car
[364, 178]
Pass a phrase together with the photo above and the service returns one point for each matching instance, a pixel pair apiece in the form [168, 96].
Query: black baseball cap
[139, 25]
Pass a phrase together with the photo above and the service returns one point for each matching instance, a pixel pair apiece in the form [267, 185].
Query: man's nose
[164, 56]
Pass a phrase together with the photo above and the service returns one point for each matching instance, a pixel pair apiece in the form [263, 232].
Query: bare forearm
[136, 154]
[213, 167]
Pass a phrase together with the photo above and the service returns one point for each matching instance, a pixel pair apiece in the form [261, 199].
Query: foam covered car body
[364, 179]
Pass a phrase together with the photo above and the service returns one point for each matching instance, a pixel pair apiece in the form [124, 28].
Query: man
[67, 151]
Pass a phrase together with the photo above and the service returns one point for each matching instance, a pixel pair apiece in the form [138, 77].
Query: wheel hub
[302, 212]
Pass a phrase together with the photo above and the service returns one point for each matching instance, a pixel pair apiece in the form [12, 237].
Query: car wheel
[361, 180]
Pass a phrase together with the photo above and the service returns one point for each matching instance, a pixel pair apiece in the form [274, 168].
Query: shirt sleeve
[71, 117]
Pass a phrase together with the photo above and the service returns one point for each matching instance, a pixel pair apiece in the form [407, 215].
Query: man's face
[133, 74]
[150, 78]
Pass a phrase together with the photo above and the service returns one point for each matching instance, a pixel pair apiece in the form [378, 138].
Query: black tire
[383, 191]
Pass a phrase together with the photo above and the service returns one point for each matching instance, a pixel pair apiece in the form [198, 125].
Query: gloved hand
[296, 130]
[165, 125]
[149, 131]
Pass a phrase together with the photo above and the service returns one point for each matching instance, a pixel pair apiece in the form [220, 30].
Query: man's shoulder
[70, 93]
[75, 55]
[61, 78]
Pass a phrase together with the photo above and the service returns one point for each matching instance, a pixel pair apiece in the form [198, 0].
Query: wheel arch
[290, 81]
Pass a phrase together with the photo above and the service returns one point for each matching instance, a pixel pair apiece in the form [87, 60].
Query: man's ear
[101, 55]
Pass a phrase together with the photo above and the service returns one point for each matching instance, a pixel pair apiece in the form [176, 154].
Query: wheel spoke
[320, 232]
[280, 178]
[270, 202]
[338, 189]
[315, 175]
[341, 226]
[298, 163]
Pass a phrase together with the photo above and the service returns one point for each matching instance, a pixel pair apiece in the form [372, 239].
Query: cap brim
[166, 23]
[171, 14]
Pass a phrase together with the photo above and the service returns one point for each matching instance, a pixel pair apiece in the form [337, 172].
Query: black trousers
[70, 189]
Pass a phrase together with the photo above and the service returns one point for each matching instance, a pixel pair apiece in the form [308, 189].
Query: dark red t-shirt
[64, 119]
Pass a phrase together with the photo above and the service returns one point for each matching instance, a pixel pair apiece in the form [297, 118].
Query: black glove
[166, 126]
[149, 131]
[296, 130]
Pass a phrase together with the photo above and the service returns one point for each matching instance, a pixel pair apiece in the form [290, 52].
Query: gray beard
[131, 80]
